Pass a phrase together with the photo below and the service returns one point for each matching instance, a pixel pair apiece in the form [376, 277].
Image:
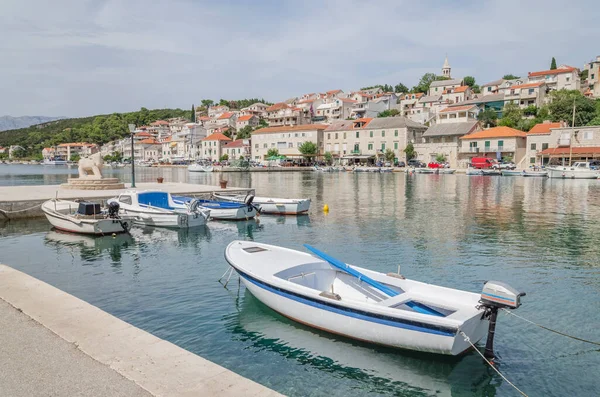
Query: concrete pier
[17, 202]
[56, 344]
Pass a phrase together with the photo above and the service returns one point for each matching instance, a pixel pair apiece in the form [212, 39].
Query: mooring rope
[14, 212]
[467, 339]
[552, 330]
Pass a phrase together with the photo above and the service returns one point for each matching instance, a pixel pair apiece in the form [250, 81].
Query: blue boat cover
[208, 203]
[155, 199]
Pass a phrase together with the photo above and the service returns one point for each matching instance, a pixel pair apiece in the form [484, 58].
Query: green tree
[224, 157]
[75, 157]
[328, 158]
[389, 113]
[389, 155]
[308, 149]
[193, 114]
[19, 153]
[583, 75]
[424, 83]
[400, 88]
[530, 110]
[469, 80]
[553, 64]
[510, 77]
[488, 117]
[543, 114]
[245, 133]
[262, 123]
[272, 153]
[511, 115]
[207, 103]
[440, 158]
[409, 150]
[561, 107]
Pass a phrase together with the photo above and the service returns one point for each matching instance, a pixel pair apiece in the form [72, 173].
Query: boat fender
[330, 295]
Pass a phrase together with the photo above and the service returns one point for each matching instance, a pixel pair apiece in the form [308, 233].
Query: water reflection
[372, 369]
[90, 247]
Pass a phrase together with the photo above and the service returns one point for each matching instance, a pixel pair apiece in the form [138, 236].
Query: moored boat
[156, 208]
[512, 173]
[530, 173]
[579, 170]
[200, 167]
[358, 303]
[271, 205]
[446, 170]
[86, 217]
[473, 171]
[491, 172]
[224, 210]
[425, 171]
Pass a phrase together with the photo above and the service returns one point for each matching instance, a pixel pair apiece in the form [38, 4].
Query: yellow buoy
[325, 208]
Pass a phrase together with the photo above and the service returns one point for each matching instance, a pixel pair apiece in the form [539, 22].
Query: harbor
[532, 233]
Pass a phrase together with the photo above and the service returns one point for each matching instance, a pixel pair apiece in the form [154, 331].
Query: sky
[79, 58]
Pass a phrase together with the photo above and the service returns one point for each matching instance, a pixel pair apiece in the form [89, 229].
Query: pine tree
[553, 64]
[193, 117]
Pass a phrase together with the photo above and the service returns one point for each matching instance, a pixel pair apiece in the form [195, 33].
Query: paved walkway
[55, 344]
[36, 362]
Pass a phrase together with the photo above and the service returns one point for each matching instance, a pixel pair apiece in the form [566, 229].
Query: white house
[564, 77]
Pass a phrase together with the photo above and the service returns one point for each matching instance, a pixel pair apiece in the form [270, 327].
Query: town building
[213, 145]
[286, 139]
[446, 69]
[524, 95]
[444, 140]
[257, 109]
[458, 94]
[238, 149]
[540, 138]
[4, 150]
[334, 109]
[367, 139]
[47, 152]
[408, 102]
[498, 143]
[246, 120]
[216, 111]
[562, 144]
[82, 149]
[13, 149]
[457, 114]
[483, 102]
[593, 77]
[439, 86]
[492, 87]
[564, 77]
[281, 114]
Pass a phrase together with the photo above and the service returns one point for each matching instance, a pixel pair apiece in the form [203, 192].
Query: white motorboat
[535, 173]
[323, 169]
[200, 167]
[491, 172]
[156, 208]
[54, 161]
[511, 173]
[579, 170]
[270, 205]
[425, 171]
[473, 171]
[224, 210]
[86, 217]
[385, 309]
[446, 170]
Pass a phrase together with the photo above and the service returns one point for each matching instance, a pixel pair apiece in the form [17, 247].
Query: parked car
[415, 163]
[483, 162]
[400, 164]
[504, 166]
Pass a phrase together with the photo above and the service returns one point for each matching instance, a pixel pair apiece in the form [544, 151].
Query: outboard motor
[248, 200]
[113, 209]
[497, 295]
[193, 205]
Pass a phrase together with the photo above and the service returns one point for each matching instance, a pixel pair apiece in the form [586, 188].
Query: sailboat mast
[571, 135]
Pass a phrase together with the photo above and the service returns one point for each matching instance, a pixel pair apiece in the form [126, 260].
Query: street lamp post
[132, 130]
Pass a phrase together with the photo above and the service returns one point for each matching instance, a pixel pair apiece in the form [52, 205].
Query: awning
[590, 151]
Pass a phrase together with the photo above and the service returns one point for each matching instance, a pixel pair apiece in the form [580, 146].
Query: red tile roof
[579, 151]
[528, 85]
[543, 128]
[143, 134]
[569, 69]
[166, 140]
[204, 118]
[160, 122]
[333, 91]
[236, 143]
[496, 132]
[277, 106]
[226, 115]
[347, 100]
[217, 136]
[457, 108]
[462, 88]
[76, 144]
[290, 128]
[245, 117]
[149, 141]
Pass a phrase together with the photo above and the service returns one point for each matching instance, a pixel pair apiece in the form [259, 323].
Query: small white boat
[446, 170]
[224, 210]
[156, 208]
[535, 173]
[269, 205]
[425, 171]
[512, 173]
[358, 303]
[54, 161]
[86, 217]
[200, 167]
[579, 170]
[491, 172]
[323, 169]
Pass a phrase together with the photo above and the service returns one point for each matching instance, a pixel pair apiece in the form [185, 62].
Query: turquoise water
[538, 235]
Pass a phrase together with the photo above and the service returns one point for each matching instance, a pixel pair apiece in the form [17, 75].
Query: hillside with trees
[94, 129]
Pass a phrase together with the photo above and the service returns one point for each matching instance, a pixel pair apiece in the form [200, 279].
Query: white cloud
[87, 57]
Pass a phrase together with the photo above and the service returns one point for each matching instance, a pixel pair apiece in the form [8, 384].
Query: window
[532, 160]
[500, 144]
[336, 135]
[593, 76]
[303, 135]
[290, 145]
[487, 144]
[472, 144]
[296, 135]
[344, 135]
[256, 146]
[125, 199]
[383, 134]
[568, 79]
[489, 89]
[371, 134]
[370, 146]
[329, 136]
[383, 146]
[357, 134]
[265, 145]
[395, 145]
[356, 147]
[395, 132]
[544, 146]
[533, 146]
[587, 135]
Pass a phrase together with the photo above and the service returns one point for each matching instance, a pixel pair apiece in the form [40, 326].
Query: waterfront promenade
[57, 344]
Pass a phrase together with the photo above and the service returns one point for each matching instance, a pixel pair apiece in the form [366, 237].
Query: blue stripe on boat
[499, 297]
[209, 203]
[354, 313]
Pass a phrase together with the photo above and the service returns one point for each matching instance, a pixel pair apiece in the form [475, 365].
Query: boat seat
[394, 300]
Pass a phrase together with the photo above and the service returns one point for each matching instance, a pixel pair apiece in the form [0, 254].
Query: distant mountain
[13, 123]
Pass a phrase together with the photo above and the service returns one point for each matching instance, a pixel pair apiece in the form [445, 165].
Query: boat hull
[511, 173]
[82, 226]
[170, 220]
[199, 168]
[538, 174]
[273, 206]
[571, 173]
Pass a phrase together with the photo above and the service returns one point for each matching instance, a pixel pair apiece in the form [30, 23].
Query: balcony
[469, 150]
[493, 149]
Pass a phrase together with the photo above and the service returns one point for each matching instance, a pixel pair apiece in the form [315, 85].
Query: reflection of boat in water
[372, 369]
[183, 236]
[90, 246]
